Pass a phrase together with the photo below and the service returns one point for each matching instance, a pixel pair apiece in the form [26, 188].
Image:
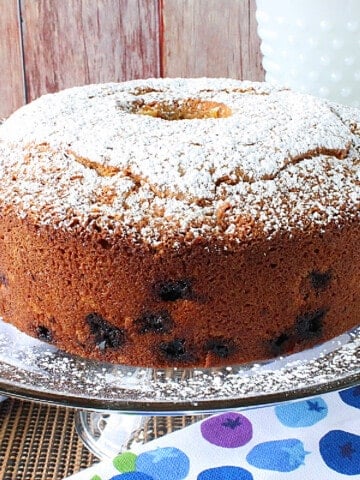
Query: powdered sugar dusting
[32, 368]
[83, 157]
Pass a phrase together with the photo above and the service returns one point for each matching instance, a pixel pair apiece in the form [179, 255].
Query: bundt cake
[180, 222]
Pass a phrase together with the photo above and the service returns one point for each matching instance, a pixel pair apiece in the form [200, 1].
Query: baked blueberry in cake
[180, 222]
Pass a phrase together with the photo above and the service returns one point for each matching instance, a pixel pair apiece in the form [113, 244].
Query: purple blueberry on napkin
[229, 430]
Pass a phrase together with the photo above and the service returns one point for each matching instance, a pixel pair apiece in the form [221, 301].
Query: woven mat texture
[39, 441]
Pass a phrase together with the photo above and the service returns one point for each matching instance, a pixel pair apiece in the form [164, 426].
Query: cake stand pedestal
[107, 434]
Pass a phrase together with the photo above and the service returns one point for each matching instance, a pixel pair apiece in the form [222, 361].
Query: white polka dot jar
[312, 46]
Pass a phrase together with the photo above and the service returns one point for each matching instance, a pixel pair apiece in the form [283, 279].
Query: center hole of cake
[188, 109]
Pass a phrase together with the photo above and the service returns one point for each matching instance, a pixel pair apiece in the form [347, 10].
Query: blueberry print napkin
[315, 438]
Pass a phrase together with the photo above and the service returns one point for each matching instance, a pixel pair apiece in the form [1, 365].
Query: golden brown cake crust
[180, 222]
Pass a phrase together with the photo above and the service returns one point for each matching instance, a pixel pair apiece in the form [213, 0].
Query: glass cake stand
[118, 398]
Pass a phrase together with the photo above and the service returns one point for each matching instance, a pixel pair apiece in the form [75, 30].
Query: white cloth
[318, 437]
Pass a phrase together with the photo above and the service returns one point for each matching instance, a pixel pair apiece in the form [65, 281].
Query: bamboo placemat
[39, 442]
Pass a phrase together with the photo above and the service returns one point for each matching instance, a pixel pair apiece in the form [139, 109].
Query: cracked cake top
[182, 159]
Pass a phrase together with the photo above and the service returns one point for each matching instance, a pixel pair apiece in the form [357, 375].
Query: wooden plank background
[47, 45]
[12, 86]
[211, 38]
